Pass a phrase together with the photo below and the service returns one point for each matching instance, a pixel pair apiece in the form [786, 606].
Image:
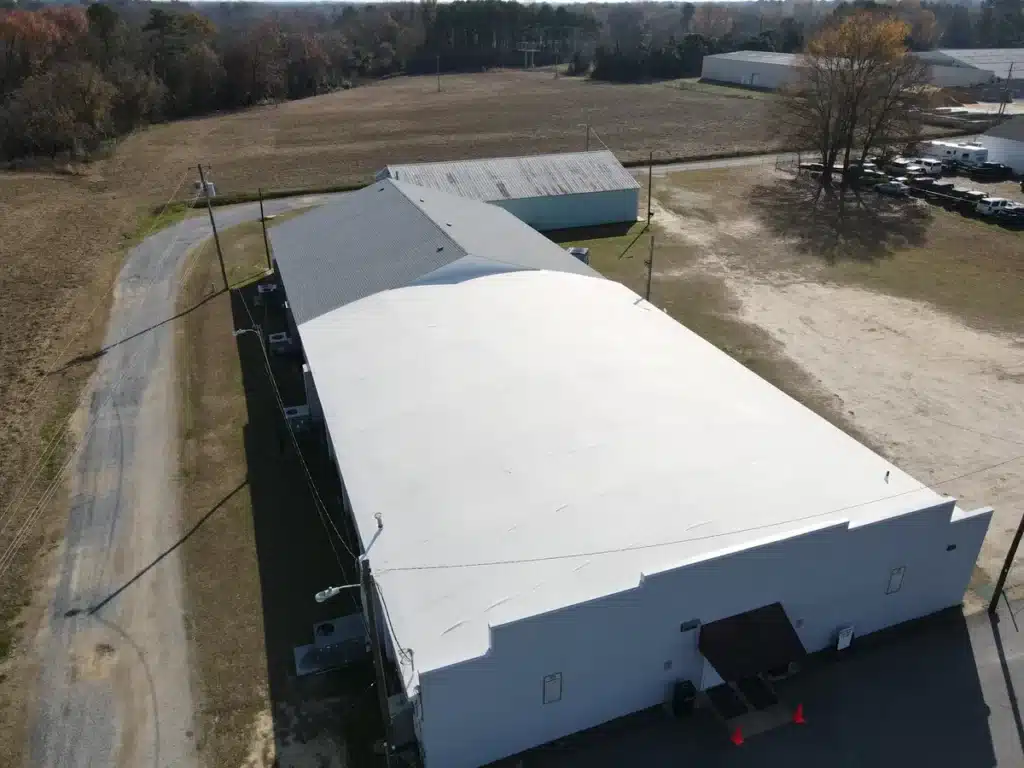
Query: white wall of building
[1005, 151]
[620, 654]
[756, 74]
[567, 211]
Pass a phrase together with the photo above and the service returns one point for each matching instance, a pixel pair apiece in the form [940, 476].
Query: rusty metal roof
[509, 178]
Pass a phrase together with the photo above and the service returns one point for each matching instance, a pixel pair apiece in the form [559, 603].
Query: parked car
[968, 200]
[940, 192]
[994, 206]
[893, 189]
[919, 184]
[931, 166]
[991, 172]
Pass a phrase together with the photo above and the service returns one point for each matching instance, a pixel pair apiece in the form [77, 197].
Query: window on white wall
[896, 580]
[553, 688]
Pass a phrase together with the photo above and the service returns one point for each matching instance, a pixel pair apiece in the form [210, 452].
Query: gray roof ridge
[424, 214]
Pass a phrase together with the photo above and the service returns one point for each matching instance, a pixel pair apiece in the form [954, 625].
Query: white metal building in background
[548, 192]
[560, 488]
[947, 67]
[755, 69]
[973, 66]
[1005, 143]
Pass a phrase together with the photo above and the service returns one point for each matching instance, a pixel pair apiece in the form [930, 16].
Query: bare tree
[858, 87]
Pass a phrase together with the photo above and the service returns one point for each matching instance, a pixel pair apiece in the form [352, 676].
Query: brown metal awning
[750, 643]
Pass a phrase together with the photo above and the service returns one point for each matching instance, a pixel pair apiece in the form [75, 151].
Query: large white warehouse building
[946, 67]
[548, 192]
[559, 487]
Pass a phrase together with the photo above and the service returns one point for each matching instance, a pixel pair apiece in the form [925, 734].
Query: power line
[321, 507]
[658, 544]
[62, 432]
[48, 448]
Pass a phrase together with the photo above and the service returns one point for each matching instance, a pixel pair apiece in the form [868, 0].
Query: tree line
[74, 76]
[641, 43]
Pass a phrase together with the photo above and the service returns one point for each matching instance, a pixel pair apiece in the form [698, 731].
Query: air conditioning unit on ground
[298, 417]
[265, 292]
[280, 343]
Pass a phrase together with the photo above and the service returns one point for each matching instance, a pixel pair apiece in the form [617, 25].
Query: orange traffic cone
[798, 716]
[737, 737]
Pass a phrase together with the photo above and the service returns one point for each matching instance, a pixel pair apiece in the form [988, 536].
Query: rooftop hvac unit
[298, 417]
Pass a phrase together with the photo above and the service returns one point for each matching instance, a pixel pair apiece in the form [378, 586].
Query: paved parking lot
[941, 693]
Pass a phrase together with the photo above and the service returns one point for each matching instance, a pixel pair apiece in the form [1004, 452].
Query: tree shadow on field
[865, 226]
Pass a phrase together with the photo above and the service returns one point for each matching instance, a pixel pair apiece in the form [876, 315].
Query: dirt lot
[902, 323]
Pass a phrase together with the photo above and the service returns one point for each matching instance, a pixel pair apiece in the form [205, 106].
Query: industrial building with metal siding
[571, 503]
[755, 69]
[946, 67]
[548, 192]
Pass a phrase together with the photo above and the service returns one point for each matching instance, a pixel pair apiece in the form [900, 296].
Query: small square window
[553, 688]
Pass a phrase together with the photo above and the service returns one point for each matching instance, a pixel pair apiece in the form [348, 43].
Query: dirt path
[116, 687]
[940, 398]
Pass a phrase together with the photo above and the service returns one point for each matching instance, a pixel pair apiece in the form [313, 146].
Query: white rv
[951, 152]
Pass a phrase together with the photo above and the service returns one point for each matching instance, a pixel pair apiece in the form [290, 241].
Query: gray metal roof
[508, 178]
[762, 57]
[994, 60]
[1012, 129]
[390, 235]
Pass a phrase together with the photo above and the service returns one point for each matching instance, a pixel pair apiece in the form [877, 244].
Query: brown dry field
[346, 136]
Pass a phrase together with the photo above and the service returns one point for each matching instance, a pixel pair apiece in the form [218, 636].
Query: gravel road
[115, 687]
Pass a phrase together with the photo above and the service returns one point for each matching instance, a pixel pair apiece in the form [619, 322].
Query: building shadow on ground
[910, 696]
[328, 719]
[861, 225]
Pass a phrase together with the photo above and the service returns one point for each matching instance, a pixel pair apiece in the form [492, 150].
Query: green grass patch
[157, 219]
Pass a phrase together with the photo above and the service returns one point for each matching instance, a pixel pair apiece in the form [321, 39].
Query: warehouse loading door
[750, 643]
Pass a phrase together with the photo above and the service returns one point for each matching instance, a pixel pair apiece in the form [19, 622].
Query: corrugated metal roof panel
[994, 60]
[506, 178]
[364, 242]
[763, 57]
[390, 235]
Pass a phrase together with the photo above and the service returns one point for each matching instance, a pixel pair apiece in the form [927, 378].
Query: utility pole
[213, 225]
[1006, 90]
[439, 73]
[650, 269]
[1007, 564]
[369, 594]
[650, 187]
[586, 146]
[263, 221]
